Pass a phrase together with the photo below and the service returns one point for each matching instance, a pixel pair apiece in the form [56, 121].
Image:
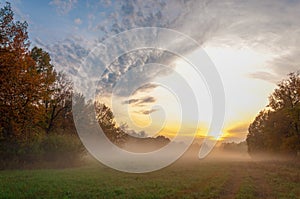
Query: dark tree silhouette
[105, 118]
[277, 128]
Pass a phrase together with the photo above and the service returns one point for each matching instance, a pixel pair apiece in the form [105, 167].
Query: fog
[142, 146]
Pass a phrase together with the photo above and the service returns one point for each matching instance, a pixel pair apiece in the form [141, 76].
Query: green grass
[286, 182]
[247, 189]
[181, 180]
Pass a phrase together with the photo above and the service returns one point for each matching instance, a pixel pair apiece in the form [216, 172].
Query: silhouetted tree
[277, 129]
[59, 109]
[105, 118]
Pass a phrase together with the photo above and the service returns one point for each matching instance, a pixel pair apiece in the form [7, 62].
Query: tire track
[234, 182]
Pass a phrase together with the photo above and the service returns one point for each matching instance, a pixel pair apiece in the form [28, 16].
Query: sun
[244, 96]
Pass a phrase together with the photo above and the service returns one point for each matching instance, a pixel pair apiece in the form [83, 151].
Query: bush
[62, 148]
[45, 151]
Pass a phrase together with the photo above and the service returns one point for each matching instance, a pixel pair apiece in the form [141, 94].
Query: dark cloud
[131, 101]
[140, 102]
[146, 88]
[147, 112]
[146, 100]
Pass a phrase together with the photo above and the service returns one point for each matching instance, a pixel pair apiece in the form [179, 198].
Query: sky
[252, 44]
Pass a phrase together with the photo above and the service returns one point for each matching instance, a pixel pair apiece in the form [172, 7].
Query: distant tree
[105, 118]
[277, 129]
[162, 139]
[240, 147]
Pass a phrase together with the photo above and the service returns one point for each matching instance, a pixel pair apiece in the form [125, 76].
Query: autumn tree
[36, 121]
[277, 128]
[36, 101]
[59, 107]
[57, 94]
[20, 81]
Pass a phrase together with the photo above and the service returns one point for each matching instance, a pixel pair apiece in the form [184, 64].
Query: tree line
[276, 129]
[36, 120]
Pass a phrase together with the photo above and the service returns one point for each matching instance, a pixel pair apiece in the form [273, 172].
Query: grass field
[215, 179]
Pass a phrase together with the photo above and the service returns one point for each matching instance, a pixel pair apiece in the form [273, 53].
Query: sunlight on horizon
[245, 96]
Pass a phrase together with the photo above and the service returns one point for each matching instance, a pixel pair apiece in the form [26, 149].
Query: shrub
[51, 150]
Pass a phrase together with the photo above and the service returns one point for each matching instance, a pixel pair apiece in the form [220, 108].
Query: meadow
[183, 179]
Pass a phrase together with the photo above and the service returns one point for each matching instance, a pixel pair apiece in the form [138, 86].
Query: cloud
[128, 74]
[188, 17]
[271, 25]
[131, 132]
[140, 102]
[239, 129]
[131, 101]
[146, 100]
[267, 76]
[132, 72]
[285, 64]
[146, 88]
[68, 56]
[147, 112]
[77, 21]
[140, 134]
[63, 7]
[39, 42]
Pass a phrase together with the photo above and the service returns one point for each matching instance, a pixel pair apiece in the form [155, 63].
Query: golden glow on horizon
[245, 96]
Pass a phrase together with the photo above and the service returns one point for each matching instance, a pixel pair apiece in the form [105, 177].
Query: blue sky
[253, 44]
[52, 22]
